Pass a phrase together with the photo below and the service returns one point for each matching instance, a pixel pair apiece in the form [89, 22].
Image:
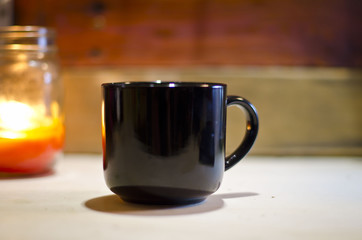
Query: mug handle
[252, 126]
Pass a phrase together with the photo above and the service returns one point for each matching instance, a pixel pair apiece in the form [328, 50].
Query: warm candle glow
[16, 116]
[29, 139]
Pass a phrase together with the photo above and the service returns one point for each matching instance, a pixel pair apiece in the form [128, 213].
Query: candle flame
[19, 120]
[16, 116]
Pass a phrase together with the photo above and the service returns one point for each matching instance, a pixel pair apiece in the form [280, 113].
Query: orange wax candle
[32, 151]
[29, 141]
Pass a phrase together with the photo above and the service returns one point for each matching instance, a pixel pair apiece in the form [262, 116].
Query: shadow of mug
[113, 204]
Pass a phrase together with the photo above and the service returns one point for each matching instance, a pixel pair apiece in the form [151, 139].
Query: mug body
[163, 142]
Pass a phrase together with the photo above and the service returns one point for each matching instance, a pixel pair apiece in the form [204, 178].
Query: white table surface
[260, 198]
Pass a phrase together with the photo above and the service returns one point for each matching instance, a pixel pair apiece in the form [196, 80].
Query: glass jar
[31, 91]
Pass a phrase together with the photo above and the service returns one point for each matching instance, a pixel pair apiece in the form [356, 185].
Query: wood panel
[303, 111]
[199, 32]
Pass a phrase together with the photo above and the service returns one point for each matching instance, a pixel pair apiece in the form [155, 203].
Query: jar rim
[18, 37]
[25, 31]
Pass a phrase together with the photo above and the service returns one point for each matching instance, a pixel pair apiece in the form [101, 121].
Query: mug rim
[164, 84]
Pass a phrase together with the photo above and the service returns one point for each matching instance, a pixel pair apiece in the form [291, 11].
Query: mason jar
[31, 91]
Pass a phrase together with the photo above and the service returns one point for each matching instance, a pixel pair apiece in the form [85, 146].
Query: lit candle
[29, 139]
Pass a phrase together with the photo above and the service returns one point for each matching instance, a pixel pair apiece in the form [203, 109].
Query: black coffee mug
[164, 142]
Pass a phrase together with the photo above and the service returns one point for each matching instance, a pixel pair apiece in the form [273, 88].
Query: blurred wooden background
[299, 62]
[189, 32]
